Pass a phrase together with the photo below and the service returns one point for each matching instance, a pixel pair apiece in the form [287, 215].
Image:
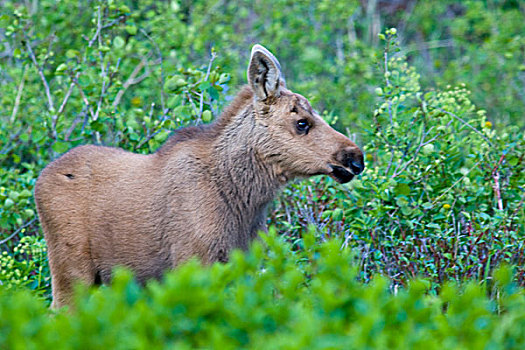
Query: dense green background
[438, 104]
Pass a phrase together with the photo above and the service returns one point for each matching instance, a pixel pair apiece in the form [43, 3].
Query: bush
[442, 195]
[441, 198]
[26, 267]
[271, 299]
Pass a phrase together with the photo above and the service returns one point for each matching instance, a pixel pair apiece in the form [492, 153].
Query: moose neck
[246, 181]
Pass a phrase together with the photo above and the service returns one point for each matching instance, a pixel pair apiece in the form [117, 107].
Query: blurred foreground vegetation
[308, 300]
[437, 103]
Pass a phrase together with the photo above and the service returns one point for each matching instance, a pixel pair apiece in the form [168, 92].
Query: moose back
[203, 193]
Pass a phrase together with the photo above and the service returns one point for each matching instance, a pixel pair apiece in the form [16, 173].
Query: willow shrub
[270, 299]
[442, 192]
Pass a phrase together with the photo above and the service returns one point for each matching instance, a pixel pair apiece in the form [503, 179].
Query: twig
[18, 95]
[99, 29]
[66, 97]
[190, 99]
[421, 144]
[54, 117]
[389, 102]
[495, 176]
[10, 145]
[467, 124]
[149, 135]
[105, 26]
[131, 80]
[102, 91]
[427, 46]
[84, 98]
[72, 127]
[42, 77]
[159, 53]
[17, 231]
[455, 183]
[201, 105]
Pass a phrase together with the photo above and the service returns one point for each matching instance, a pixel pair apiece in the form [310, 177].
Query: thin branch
[151, 135]
[159, 53]
[86, 102]
[497, 189]
[42, 77]
[436, 44]
[105, 26]
[455, 183]
[190, 99]
[66, 97]
[72, 128]
[99, 29]
[422, 143]
[213, 56]
[54, 118]
[389, 101]
[467, 124]
[102, 91]
[10, 145]
[17, 231]
[131, 80]
[18, 95]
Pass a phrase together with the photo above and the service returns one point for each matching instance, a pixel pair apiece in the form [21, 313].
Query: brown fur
[204, 193]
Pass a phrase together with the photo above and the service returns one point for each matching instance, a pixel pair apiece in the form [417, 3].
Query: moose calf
[203, 193]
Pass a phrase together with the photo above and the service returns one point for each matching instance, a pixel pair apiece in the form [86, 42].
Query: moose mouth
[340, 174]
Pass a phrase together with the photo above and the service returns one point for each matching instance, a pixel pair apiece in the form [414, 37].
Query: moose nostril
[352, 158]
[357, 166]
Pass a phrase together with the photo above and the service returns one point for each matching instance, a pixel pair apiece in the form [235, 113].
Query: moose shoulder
[203, 193]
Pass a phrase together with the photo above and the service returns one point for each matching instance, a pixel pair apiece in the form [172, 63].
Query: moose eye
[302, 126]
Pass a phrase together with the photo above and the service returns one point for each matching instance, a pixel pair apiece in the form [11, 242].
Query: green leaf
[118, 42]
[60, 147]
[174, 83]
[132, 30]
[205, 85]
[427, 205]
[4, 21]
[97, 125]
[8, 203]
[61, 67]
[214, 94]
[25, 193]
[402, 189]
[206, 116]
[84, 80]
[162, 136]
[72, 53]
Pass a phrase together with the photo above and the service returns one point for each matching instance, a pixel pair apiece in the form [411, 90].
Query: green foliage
[90, 84]
[16, 192]
[26, 267]
[443, 192]
[436, 102]
[478, 43]
[270, 299]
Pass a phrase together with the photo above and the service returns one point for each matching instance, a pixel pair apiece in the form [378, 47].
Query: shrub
[270, 299]
[26, 267]
[442, 195]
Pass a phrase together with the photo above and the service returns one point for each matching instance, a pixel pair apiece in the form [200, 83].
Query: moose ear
[264, 74]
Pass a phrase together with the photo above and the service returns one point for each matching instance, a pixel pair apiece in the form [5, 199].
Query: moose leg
[65, 274]
[69, 261]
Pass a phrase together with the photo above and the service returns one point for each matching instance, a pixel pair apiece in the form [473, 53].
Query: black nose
[352, 157]
[357, 166]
